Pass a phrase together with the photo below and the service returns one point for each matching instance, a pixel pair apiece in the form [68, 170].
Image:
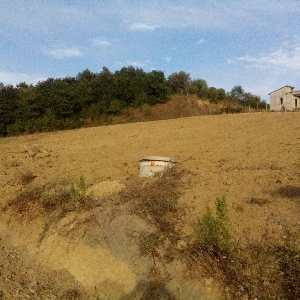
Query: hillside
[252, 159]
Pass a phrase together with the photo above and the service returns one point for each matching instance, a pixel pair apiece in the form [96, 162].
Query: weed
[78, 193]
[69, 198]
[212, 231]
[52, 197]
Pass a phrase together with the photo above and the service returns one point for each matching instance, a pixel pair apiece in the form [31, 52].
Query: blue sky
[255, 44]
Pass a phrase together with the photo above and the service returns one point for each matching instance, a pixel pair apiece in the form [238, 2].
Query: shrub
[212, 231]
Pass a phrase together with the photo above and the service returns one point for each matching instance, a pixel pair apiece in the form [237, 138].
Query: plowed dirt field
[251, 159]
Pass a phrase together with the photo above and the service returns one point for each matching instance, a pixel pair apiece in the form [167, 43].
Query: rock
[29, 151]
[35, 149]
[43, 152]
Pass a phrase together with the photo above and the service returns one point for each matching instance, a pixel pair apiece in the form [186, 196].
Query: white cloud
[135, 64]
[283, 59]
[64, 52]
[141, 27]
[201, 41]
[132, 63]
[168, 59]
[101, 42]
[16, 78]
[231, 61]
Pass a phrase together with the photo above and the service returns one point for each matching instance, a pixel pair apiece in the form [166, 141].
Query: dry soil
[252, 159]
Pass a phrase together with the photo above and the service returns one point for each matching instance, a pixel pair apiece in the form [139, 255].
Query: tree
[61, 98]
[179, 82]
[215, 95]
[8, 105]
[130, 86]
[238, 92]
[199, 87]
[86, 75]
[103, 90]
[156, 88]
[253, 101]
[26, 102]
[42, 90]
[245, 98]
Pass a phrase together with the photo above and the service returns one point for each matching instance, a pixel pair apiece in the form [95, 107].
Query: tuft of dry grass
[45, 199]
[156, 199]
[24, 202]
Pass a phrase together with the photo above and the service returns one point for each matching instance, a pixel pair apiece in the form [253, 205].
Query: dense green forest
[65, 103]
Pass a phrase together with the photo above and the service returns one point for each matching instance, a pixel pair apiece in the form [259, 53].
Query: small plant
[212, 231]
[72, 197]
[77, 194]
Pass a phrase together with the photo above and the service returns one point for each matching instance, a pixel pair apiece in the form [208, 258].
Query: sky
[253, 43]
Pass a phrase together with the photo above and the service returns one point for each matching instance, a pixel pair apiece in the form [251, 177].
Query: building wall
[282, 98]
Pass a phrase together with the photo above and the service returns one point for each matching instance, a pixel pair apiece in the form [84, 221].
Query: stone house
[285, 98]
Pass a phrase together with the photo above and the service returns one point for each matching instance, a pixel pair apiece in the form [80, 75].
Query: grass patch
[63, 195]
[68, 196]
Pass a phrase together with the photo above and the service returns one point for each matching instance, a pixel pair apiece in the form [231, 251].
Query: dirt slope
[252, 159]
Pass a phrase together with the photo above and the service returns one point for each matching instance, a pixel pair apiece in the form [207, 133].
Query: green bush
[212, 230]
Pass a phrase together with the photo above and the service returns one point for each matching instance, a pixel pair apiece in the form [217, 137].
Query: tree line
[64, 103]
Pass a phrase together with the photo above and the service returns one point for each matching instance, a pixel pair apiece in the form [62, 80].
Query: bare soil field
[252, 159]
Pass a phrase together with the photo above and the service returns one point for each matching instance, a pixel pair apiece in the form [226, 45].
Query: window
[281, 101]
[296, 103]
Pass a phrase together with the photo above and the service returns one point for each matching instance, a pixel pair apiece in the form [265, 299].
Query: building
[284, 99]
